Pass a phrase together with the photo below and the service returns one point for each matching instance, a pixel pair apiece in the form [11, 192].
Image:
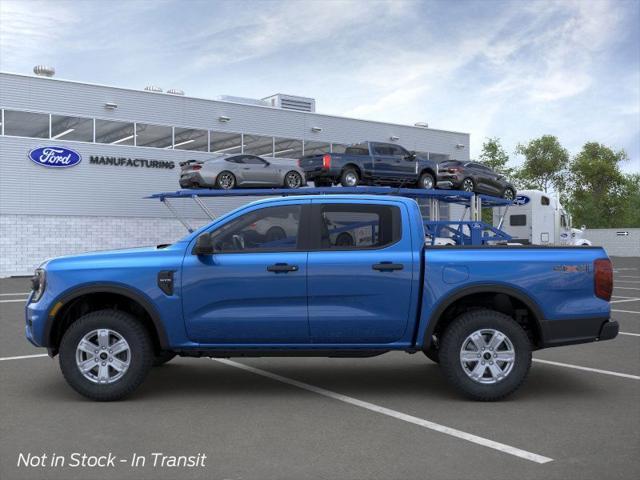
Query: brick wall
[28, 240]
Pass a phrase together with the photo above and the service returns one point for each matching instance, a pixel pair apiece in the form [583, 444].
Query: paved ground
[349, 418]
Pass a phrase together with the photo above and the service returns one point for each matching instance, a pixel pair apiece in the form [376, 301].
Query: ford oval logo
[521, 200]
[55, 157]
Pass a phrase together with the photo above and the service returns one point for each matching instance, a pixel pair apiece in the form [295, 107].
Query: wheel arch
[501, 298]
[353, 166]
[81, 298]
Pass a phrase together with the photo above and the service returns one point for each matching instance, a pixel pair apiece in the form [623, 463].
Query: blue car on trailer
[228, 289]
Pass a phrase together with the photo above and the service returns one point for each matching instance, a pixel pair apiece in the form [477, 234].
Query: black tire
[225, 180]
[509, 194]
[163, 357]
[427, 181]
[432, 353]
[345, 239]
[468, 185]
[347, 177]
[454, 339]
[140, 348]
[298, 178]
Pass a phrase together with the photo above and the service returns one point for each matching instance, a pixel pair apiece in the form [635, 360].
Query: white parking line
[2, 359]
[12, 294]
[587, 369]
[23, 300]
[485, 442]
[630, 334]
[625, 300]
[624, 311]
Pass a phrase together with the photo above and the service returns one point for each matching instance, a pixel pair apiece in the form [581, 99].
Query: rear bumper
[323, 173]
[583, 330]
[193, 180]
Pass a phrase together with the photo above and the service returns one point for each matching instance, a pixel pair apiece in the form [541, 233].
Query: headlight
[38, 284]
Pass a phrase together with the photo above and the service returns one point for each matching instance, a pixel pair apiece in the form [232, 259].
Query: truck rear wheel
[485, 354]
[105, 355]
[432, 353]
[427, 181]
[349, 178]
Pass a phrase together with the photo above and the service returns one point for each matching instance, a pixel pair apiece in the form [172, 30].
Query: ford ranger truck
[371, 163]
[229, 290]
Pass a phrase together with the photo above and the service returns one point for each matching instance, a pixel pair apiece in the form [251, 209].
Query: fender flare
[484, 288]
[128, 292]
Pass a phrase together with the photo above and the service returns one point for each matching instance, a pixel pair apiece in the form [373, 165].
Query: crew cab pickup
[233, 289]
[371, 163]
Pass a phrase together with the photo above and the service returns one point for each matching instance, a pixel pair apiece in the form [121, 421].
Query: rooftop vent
[153, 88]
[44, 71]
[244, 100]
[421, 124]
[291, 102]
[175, 91]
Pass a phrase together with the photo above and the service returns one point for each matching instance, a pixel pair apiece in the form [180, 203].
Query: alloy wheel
[103, 356]
[487, 356]
[226, 181]
[293, 180]
[351, 179]
[467, 185]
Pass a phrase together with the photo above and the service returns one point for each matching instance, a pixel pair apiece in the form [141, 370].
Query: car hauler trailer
[438, 232]
[537, 218]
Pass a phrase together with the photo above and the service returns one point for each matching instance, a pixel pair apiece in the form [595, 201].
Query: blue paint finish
[334, 300]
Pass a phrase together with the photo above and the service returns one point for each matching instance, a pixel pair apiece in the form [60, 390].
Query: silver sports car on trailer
[231, 171]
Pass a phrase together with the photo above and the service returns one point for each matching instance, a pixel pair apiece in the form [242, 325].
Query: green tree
[494, 156]
[545, 164]
[599, 194]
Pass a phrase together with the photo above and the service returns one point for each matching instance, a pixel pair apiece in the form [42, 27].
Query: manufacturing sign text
[55, 157]
[131, 162]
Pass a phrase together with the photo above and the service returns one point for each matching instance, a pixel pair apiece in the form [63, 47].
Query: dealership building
[129, 144]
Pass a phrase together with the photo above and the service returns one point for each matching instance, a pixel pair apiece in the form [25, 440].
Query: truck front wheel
[105, 355]
[485, 354]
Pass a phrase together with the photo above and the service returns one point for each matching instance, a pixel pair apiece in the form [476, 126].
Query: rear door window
[357, 227]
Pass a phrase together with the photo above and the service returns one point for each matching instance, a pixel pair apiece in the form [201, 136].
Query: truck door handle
[282, 268]
[387, 266]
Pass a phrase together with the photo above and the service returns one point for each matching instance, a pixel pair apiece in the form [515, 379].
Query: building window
[227, 143]
[287, 148]
[115, 133]
[26, 124]
[191, 139]
[156, 136]
[258, 145]
[71, 128]
[316, 148]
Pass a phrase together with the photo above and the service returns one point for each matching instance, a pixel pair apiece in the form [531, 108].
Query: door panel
[233, 298]
[253, 289]
[349, 300]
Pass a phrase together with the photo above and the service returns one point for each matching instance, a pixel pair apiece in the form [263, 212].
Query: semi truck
[537, 218]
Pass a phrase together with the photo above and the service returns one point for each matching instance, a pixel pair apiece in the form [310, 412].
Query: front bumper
[583, 330]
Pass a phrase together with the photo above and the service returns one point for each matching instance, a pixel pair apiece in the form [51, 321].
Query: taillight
[453, 170]
[300, 162]
[196, 167]
[603, 278]
[326, 161]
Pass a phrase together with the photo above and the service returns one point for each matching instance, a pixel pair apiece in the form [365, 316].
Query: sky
[509, 69]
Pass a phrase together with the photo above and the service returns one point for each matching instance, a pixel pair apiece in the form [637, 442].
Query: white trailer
[537, 218]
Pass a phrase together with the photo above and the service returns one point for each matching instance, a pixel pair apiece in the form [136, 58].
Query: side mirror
[411, 156]
[204, 245]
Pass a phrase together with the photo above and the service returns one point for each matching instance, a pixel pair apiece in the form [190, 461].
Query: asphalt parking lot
[391, 417]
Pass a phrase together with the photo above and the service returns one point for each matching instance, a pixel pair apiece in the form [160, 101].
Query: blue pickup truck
[232, 288]
[371, 163]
